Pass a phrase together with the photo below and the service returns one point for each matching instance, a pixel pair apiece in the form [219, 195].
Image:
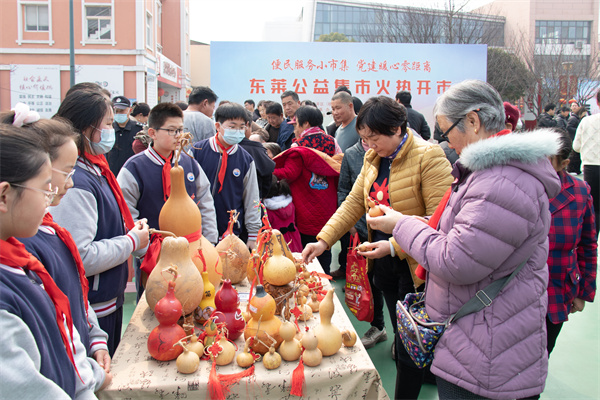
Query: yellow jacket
[419, 176]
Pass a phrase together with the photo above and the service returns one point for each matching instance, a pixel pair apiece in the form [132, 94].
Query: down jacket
[419, 177]
[313, 179]
[497, 217]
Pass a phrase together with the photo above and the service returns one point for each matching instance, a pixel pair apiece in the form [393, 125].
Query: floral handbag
[419, 334]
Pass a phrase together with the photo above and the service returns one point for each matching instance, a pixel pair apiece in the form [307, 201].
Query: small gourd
[272, 359]
[227, 311]
[329, 336]
[227, 355]
[279, 270]
[162, 339]
[207, 305]
[348, 338]
[196, 346]
[262, 304]
[245, 359]
[188, 361]
[311, 356]
[290, 349]
[314, 302]
[305, 309]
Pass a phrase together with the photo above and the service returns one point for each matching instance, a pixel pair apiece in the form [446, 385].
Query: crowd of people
[80, 192]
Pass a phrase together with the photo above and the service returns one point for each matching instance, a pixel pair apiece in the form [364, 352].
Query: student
[96, 214]
[53, 246]
[231, 171]
[145, 179]
[36, 349]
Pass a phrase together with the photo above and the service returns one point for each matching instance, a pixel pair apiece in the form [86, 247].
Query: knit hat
[512, 114]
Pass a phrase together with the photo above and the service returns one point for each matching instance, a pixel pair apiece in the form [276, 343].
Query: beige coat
[419, 177]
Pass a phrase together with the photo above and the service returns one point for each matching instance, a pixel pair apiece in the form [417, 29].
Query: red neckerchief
[166, 175]
[502, 133]
[67, 239]
[223, 168]
[100, 162]
[15, 255]
[433, 222]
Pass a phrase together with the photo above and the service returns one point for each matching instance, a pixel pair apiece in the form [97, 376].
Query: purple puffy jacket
[496, 218]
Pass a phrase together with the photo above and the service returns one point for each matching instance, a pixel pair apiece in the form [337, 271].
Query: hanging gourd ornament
[233, 252]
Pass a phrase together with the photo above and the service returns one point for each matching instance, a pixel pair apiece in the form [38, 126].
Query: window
[36, 18]
[562, 32]
[149, 30]
[98, 22]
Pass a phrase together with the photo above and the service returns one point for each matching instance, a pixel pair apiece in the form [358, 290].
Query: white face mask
[233, 136]
[107, 141]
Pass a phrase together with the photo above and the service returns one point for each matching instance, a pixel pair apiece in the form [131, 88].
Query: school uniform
[90, 212]
[238, 191]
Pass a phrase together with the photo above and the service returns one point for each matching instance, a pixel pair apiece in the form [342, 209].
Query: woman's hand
[103, 359]
[578, 305]
[313, 250]
[376, 250]
[386, 223]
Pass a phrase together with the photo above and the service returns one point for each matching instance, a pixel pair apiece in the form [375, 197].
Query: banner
[107, 76]
[264, 70]
[38, 86]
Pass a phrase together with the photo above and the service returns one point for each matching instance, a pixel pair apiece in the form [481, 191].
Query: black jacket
[561, 122]
[572, 125]
[545, 120]
[264, 165]
[417, 122]
[122, 149]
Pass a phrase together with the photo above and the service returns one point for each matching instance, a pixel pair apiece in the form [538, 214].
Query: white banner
[38, 86]
[151, 88]
[107, 76]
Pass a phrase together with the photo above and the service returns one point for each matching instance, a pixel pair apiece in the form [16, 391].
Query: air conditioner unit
[579, 44]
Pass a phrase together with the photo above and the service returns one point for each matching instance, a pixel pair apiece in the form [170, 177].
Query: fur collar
[528, 147]
[277, 202]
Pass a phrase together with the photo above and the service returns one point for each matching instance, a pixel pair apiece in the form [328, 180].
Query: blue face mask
[107, 141]
[121, 118]
[233, 136]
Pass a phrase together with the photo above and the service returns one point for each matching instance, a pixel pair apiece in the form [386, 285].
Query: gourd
[214, 265]
[290, 349]
[207, 305]
[226, 356]
[196, 346]
[311, 356]
[305, 309]
[245, 359]
[189, 286]
[227, 311]
[263, 324]
[329, 336]
[374, 210]
[272, 359]
[162, 339]
[348, 338]
[279, 270]
[314, 302]
[233, 252]
[188, 361]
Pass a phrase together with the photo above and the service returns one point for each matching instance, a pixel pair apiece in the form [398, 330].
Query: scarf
[223, 167]
[15, 255]
[67, 239]
[166, 175]
[100, 162]
[313, 130]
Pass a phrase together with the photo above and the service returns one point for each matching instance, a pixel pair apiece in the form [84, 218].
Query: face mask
[120, 118]
[233, 136]
[107, 141]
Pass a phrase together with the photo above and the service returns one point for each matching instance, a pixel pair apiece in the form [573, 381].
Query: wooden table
[349, 374]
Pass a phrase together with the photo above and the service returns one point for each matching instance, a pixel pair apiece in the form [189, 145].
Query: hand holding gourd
[387, 222]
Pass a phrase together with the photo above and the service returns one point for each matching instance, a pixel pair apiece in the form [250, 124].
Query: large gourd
[263, 323]
[279, 269]
[189, 287]
[181, 216]
[329, 336]
[162, 339]
[275, 240]
[233, 252]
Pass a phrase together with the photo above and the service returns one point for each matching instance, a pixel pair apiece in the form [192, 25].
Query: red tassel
[298, 379]
[214, 386]
[227, 380]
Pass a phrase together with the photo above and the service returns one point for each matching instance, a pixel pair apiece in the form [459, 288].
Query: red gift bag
[359, 298]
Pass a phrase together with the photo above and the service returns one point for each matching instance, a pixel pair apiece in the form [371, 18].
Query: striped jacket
[572, 259]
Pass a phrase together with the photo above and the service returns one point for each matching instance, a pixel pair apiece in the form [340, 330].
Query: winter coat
[496, 218]
[572, 260]
[545, 120]
[313, 179]
[419, 177]
[351, 167]
[282, 216]
[572, 124]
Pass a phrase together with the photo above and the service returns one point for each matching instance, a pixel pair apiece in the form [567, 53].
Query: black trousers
[591, 174]
[325, 258]
[450, 391]
[111, 324]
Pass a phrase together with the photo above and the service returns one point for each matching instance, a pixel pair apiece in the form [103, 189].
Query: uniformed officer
[125, 131]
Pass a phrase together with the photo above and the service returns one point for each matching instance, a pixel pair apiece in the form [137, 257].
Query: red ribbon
[153, 251]
[223, 168]
[166, 176]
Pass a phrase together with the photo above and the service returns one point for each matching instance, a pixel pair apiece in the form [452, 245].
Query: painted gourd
[227, 311]
[262, 309]
[162, 339]
[207, 305]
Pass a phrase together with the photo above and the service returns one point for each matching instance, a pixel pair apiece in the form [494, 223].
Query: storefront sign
[169, 72]
[38, 86]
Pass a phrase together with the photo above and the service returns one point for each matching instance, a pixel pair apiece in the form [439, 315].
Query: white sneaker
[373, 336]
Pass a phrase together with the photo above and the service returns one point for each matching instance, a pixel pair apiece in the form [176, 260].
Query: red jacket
[313, 179]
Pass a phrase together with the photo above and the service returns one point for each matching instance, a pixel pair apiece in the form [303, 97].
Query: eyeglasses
[445, 134]
[68, 175]
[172, 132]
[50, 194]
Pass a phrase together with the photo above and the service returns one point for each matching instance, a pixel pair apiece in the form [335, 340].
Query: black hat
[121, 102]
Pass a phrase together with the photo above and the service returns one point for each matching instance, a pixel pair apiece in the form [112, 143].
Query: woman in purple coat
[497, 216]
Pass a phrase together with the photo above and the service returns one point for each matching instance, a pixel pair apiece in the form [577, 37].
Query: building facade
[121, 45]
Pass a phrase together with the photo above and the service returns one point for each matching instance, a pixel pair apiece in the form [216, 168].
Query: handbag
[358, 296]
[419, 334]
